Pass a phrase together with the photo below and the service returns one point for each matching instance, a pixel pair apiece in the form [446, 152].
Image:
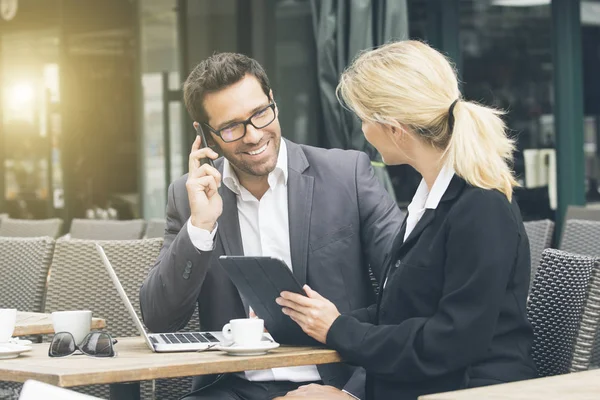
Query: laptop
[163, 342]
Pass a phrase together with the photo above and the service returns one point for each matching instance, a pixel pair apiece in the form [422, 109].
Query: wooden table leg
[125, 391]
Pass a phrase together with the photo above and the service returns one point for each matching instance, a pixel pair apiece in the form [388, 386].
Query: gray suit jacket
[341, 222]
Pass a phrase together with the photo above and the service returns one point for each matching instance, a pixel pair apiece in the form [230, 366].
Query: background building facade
[92, 116]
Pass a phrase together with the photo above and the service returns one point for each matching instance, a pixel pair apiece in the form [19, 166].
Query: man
[322, 211]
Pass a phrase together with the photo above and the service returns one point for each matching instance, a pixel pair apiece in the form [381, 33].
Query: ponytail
[479, 149]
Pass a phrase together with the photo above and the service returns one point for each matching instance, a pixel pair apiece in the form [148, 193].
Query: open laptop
[163, 342]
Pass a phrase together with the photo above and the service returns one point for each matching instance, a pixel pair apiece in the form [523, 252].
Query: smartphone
[207, 160]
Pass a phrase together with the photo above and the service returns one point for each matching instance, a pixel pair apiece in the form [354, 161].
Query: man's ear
[271, 95]
[210, 141]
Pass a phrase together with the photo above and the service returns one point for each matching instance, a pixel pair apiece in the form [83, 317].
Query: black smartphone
[204, 143]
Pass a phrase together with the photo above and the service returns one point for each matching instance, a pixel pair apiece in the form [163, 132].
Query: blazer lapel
[300, 194]
[425, 220]
[454, 189]
[229, 225]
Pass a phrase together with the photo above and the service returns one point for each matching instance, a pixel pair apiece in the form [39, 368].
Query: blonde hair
[412, 84]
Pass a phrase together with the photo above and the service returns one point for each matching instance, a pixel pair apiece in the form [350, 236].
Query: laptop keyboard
[188, 337]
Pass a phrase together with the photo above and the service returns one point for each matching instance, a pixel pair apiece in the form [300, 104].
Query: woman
[452, 312]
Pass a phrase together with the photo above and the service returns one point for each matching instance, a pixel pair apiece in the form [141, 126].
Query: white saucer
[255, 350]
[22, 342]
[10, 350]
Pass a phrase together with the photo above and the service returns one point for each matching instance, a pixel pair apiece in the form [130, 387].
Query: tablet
[260, 280]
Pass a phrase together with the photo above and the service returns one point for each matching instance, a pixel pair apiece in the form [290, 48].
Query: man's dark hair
[216, 73]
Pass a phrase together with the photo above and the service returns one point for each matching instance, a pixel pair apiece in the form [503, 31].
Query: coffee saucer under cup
[22, 342]
[257, 349]
[11, 350]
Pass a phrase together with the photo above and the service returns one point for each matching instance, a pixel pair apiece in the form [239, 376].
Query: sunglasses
[95, 344]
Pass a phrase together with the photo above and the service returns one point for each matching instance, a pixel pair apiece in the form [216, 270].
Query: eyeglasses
[95, 344]
[236, 131]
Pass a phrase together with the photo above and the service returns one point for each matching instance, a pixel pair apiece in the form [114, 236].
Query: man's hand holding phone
[202, 186]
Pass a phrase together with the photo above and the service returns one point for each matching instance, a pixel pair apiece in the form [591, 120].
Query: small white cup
[77, 323]
[8, 320]
[244, 331]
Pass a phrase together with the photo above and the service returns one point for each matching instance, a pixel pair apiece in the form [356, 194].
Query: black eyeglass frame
[77, 347]
[246, 122]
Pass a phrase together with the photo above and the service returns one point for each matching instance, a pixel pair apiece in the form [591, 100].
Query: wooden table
[577, 386]
[29, 323]
[135, 362]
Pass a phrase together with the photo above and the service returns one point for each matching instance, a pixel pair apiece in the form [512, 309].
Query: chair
[579, 212]
[78, 280]
[540, 238]
[557, 304]
[586, 354]
[30, 227]
[155, 228]
[581, 237]
[94, 229]
[24, 264]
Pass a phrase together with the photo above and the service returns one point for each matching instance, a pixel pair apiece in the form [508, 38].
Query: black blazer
[453, 313]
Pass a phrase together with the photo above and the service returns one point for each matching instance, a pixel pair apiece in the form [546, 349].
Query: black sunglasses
[260, 119]
[95, 344]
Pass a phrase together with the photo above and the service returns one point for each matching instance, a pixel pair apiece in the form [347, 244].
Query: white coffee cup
[77, 323]
[244, 331]
[8, 319]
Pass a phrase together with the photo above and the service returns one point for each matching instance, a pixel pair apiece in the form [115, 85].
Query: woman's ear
[396, 131]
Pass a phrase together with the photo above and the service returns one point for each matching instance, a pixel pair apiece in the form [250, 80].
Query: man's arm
[356, 385]
[380, 220]
[380, 216]
[169, 293]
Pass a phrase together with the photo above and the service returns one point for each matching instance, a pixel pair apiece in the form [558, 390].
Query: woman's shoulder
[486, 204]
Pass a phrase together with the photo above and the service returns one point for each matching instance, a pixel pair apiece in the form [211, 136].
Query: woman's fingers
[297, 298]
[312, 293]
[298, 317]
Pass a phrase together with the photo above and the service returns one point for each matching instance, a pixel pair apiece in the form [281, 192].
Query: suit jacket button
[188, 264]
[186, 275]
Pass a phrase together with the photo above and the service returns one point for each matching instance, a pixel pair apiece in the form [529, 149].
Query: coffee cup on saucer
[244, 331]
[78, 323]
[8, 320]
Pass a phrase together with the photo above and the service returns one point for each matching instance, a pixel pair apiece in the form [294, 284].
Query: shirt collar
[424, 198]
[230, 178]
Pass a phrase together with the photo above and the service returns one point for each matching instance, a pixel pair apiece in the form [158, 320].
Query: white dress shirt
[425, 199]
[264, 227]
